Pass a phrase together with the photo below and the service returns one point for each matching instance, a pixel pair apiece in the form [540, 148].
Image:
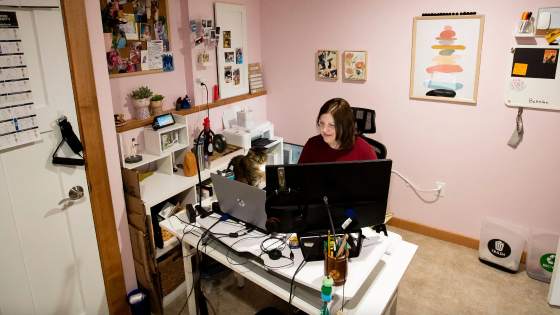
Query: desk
[377, 295]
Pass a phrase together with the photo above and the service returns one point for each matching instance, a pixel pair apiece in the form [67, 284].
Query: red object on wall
[216, 97]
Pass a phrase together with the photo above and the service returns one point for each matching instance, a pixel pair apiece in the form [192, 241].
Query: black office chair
[364, 119]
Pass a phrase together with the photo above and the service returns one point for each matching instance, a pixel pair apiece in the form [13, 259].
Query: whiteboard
[233, 19]
[532, 92]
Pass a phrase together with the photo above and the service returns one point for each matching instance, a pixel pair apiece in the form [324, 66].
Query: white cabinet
[38, 3]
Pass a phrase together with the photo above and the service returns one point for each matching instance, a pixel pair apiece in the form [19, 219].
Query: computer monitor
[356, 190]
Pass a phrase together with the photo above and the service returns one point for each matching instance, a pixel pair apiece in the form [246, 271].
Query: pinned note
[520, 68]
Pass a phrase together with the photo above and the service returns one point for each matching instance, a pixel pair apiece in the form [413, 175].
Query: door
[49, 259]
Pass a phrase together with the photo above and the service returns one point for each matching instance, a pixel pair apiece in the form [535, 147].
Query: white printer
[258, 135]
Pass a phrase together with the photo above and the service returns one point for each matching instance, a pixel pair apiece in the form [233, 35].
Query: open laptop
[241, 201]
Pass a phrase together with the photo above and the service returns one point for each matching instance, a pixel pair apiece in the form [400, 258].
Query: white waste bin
[501, 244]
[541, 254]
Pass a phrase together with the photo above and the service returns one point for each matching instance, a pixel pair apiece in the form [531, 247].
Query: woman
[338, 140]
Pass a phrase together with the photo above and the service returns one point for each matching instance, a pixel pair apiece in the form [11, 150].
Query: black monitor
[358, 190]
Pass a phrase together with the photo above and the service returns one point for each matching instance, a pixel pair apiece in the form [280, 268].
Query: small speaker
[220, 143]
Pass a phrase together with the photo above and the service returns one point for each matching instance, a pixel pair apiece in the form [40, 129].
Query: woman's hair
[343, 121]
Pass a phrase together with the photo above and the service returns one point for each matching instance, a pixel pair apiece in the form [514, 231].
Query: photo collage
[18, 119]
[137, 36]
[232, 74]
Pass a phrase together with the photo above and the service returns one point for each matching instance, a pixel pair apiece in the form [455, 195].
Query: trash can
[541, 254]
[139, 302]
[501, 244]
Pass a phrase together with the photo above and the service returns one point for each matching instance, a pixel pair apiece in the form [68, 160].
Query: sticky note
[520, 68]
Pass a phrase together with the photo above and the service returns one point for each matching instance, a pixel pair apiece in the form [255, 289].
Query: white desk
[377, 295]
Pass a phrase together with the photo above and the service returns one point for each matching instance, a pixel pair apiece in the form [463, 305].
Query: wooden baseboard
[439, 234]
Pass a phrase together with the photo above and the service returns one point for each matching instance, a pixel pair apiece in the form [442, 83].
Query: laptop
[240, 201]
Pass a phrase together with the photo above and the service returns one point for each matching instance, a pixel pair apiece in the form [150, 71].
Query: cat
[249, 169]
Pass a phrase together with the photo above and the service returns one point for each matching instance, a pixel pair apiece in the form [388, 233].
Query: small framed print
[327, 64]
[355, 65]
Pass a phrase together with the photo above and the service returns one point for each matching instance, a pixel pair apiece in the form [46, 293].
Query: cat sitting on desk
[249, 169]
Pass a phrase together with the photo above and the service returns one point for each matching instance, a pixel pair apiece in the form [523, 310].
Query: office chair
[364, 120]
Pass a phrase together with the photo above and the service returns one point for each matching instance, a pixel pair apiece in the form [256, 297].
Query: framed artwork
[446, 57]
[327, 64]
[355, 65]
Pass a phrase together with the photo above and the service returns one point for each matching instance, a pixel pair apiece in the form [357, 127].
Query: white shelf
[524, 35]
[175, 126]
[163, 186]
[177, 147]
[167, 246]
[146, 159]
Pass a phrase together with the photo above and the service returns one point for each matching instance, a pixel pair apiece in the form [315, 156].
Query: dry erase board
[533, 78]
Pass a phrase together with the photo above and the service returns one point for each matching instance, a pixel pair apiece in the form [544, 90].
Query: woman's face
[327, 128]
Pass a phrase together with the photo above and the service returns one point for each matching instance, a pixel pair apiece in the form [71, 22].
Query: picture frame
[446, 67]
[355, 65]
[327, 64]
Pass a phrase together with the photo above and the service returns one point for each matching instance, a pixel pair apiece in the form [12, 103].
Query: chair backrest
[380, 149]
[364, 119]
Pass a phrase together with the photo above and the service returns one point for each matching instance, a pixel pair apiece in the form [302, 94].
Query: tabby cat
[249, 169]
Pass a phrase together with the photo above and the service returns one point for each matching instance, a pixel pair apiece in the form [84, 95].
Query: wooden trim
[85, 96]
[137, 123]
[130, 74]
[439, 234]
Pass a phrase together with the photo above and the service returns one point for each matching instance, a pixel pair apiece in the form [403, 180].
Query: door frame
[87, 110]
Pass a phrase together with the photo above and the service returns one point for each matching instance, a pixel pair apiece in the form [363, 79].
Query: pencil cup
[337, 268]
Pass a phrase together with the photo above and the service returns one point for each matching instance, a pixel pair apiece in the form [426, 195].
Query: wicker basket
[171, 271]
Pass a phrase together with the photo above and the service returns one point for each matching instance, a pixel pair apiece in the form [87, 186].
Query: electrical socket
[441, 187]
[199, 80]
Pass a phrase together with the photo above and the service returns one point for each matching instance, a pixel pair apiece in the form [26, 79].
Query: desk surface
[373, 295]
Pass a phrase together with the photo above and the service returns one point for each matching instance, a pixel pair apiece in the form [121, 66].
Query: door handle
[75, 193]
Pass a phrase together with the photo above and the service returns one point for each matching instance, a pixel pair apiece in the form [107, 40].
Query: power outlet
[199, 80]
[441, 187]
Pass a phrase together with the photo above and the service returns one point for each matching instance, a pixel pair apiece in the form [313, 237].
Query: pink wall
[461, 145]
[109, 139]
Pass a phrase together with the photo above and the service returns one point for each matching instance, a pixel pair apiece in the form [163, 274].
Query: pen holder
[337, 268]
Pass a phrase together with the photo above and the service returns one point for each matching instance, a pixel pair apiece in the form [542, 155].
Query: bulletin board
[533, 78]
[140, 38]
[231, 50]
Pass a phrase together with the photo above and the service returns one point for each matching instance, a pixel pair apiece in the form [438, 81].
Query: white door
[49, 259]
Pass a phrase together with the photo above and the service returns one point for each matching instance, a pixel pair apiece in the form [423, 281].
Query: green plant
[157, 97]
[141, 93]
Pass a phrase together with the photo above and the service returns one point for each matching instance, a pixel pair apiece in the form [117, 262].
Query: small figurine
[119, 120]
[133, 157]
[184, 103]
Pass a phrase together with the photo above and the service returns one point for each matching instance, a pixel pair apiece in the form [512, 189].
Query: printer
[258, 135]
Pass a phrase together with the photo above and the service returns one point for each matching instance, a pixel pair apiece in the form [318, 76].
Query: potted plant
[156, 103]
[141, 100]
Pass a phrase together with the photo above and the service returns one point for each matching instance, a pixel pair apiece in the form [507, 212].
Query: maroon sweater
[316, 150]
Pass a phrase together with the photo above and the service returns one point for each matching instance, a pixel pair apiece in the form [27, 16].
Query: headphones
[298, 223]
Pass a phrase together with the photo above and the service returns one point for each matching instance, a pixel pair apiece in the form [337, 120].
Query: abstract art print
[355, 65]
[327, 64]
[446, 57]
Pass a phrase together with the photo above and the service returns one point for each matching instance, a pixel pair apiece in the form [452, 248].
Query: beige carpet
[443, 278]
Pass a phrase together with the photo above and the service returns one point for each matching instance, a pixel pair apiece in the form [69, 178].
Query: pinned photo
[550, 56]
[160, 30]
[146, 32]
[135, 52]
[203, 23]
[227, 74]
[129, 29]
[119, 40]
[207, 33]
[198, 41]
[165, 46]
[193, 26]
[236, 76]
[229, 56]
[227, 39]
[167, 60]
[213, 35]
[126, 66]
[238, 56]
[209, 23]
[140, 11]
